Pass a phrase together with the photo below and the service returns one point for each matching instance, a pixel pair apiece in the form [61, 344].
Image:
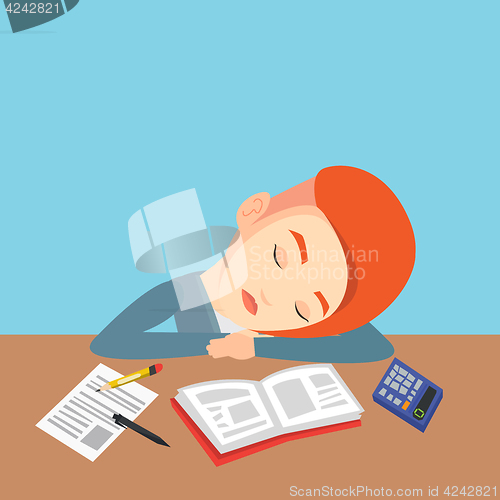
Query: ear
[252, 209]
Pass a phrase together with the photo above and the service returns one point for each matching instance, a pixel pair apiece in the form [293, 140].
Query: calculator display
[424, 403]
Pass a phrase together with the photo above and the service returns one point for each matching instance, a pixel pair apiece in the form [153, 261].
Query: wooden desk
[460, 446]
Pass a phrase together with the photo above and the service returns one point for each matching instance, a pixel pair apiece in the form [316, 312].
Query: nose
[263, 297]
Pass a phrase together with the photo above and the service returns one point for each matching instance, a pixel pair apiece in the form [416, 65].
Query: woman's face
[286, 271]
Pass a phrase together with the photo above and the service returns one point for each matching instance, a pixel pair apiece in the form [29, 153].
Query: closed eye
[275, 258]
[298, 312]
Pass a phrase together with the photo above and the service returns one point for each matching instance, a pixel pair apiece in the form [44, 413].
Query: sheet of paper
[233, 410]
[310, 393]
[83, 419]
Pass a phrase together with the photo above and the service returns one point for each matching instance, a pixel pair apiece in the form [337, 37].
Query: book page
[311, 396]
[231, 411]
[83, 419]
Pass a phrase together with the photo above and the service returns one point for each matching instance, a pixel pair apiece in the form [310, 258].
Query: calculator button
[399, 378]
[411, 378]
[393, 374]
[414, 393]
[419, 413]
[403, 390]
[394, 386]
[407, 383]
[418, 384]
[405, 406]
[396, 367]
[410, 398]
[397, 401]
[403, 372]
[382, 392]
[387, 380]
[390, 397]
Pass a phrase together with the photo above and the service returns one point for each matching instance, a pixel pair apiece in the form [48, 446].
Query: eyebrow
[302, 246]
[324, 303]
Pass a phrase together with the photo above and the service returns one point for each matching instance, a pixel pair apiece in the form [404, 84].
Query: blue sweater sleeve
[362, 345]
[126, 336]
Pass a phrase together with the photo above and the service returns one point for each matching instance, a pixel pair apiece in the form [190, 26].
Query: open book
[234, 418]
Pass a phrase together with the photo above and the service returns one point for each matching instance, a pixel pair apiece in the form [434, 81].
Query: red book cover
[224, 458]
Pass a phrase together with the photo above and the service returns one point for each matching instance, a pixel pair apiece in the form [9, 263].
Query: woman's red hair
[367, 217]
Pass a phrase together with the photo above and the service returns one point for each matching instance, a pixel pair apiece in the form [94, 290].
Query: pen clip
[116, 418]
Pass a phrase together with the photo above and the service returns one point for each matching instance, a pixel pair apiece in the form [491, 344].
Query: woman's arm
[357, 346]
[126, 336]
[362, 345]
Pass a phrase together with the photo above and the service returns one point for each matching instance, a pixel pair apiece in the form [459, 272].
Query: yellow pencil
[152, 370]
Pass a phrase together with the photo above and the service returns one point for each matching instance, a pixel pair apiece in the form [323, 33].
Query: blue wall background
[120, 103]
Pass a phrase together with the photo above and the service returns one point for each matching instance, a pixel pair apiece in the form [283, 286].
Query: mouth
[249, 302]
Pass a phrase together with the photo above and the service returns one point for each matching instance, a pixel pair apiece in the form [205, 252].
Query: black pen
[125, 422]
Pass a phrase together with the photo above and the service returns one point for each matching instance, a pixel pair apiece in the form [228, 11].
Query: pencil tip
[98, 390]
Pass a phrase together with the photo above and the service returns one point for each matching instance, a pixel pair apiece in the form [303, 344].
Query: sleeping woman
[305, 273]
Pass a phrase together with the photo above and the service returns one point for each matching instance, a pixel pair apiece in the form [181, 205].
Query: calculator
[409, 395]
